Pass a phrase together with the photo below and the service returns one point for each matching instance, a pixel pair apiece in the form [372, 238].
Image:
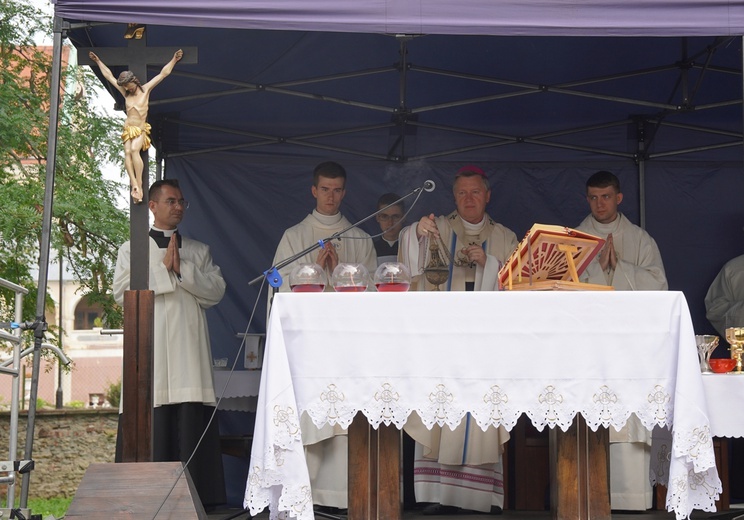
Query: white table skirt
[724, 394]
[496, 355]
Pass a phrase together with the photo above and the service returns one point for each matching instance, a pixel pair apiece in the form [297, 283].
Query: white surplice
[354, 247]
[639, 268]
[182, 358]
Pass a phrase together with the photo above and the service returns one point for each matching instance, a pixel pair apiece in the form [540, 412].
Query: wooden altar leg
[579, 480]
[389, 498]
[374, 471]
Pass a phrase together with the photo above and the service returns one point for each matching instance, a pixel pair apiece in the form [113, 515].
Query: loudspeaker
[136, 490]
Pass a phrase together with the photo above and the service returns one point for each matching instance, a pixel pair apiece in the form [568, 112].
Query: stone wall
[66, 442]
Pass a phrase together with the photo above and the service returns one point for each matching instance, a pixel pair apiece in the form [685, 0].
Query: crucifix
[137, 379]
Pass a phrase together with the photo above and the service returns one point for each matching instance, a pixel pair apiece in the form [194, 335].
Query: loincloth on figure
[133, 132]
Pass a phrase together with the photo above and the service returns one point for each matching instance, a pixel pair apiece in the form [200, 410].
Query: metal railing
[12, 366]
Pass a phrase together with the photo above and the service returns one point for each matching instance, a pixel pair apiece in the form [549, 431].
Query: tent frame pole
[40, 325]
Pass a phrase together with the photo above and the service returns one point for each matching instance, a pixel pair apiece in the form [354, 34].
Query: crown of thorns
[127, 77]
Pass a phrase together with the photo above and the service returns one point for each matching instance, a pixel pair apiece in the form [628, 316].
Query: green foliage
[75, 404]
[113, 394]
[87, 227]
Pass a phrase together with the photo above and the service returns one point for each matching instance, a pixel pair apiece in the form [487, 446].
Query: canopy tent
[540, 94]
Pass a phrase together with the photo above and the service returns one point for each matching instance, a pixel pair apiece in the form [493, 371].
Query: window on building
[88, 314]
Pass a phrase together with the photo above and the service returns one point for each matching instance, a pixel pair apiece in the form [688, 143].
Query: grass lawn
[48, 506]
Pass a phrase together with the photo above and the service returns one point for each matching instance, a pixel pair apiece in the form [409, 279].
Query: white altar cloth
[497, 355]
[724, 393]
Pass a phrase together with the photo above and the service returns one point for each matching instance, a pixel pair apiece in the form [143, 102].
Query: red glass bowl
[722, 365]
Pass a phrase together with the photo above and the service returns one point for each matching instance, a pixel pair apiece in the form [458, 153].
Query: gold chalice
[735, 337]
[706, 344]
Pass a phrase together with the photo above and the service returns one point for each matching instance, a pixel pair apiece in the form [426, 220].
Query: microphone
[429, 186]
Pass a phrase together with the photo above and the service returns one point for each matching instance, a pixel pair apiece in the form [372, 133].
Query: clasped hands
[428, 226]
[172, 260]
[328, 257]
[608, 256]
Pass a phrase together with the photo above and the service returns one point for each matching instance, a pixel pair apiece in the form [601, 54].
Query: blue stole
[452, 260]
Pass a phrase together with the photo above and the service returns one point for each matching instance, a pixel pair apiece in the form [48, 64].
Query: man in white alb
[724, 303]
[461, 469]
[326, 448]
[629, 261]
[186, 282]
[328, 189]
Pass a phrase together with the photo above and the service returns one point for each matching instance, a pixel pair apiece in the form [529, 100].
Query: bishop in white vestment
[460, 468]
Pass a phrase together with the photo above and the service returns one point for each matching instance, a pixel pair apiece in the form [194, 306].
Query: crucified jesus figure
[136, 135]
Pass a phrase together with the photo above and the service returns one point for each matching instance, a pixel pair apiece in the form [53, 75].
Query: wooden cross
[137, 382]
[136, 56]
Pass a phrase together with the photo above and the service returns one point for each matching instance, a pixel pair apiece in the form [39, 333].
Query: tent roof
[402, 98]
[505, 17]
[408, 80]
[414, 93]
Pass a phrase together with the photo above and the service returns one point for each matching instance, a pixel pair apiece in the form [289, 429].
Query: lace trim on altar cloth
[693, 484]
[295, 502]
[688, 469]
[549, 408]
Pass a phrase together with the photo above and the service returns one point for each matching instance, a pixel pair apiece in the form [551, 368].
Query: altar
[495, 355]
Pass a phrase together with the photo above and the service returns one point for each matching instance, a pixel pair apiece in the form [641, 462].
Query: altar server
[328, 189]
[391, 222]
[629, 261]
[461, 469]
[326, 448]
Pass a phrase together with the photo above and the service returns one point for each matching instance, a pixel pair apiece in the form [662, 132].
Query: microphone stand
[272, 274]
[275, 279]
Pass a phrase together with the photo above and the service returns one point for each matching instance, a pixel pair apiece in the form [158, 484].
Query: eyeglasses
[172, 202]
[389, 218]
